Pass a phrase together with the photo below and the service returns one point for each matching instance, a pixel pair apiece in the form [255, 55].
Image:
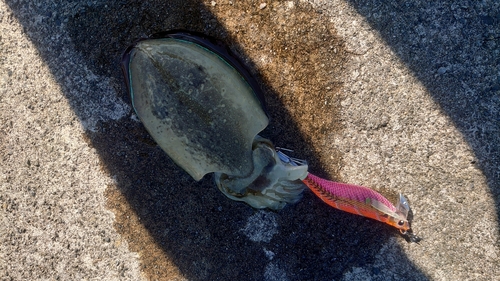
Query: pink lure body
[357, 200]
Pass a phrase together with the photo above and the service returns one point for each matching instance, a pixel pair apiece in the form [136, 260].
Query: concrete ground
[401, 96]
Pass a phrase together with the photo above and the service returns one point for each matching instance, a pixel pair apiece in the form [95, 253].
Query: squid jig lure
[358, 200]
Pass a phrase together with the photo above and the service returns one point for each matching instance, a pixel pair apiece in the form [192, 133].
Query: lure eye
[401, 223]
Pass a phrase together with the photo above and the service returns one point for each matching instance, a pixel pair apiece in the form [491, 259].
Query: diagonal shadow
[453, 48]
[192, 223]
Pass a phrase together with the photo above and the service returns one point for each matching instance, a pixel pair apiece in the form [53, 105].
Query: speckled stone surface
[401, 97]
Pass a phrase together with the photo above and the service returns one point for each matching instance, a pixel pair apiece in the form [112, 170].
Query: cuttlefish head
[272, 183]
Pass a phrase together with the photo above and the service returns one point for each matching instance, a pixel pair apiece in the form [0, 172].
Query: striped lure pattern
[357, 200]
[346, 192]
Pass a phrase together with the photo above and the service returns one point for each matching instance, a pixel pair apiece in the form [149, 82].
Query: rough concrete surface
[401, 96]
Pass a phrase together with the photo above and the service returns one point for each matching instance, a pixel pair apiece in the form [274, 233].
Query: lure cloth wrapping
[349, 191]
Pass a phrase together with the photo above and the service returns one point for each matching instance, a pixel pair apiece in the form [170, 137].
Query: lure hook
[410, 237]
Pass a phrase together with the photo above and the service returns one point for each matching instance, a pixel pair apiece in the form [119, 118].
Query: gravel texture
[401, 97]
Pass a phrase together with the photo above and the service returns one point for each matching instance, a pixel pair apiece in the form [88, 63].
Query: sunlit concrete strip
[54, 224]
[397, 137]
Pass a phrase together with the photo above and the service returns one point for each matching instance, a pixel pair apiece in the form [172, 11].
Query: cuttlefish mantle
[205, 110]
